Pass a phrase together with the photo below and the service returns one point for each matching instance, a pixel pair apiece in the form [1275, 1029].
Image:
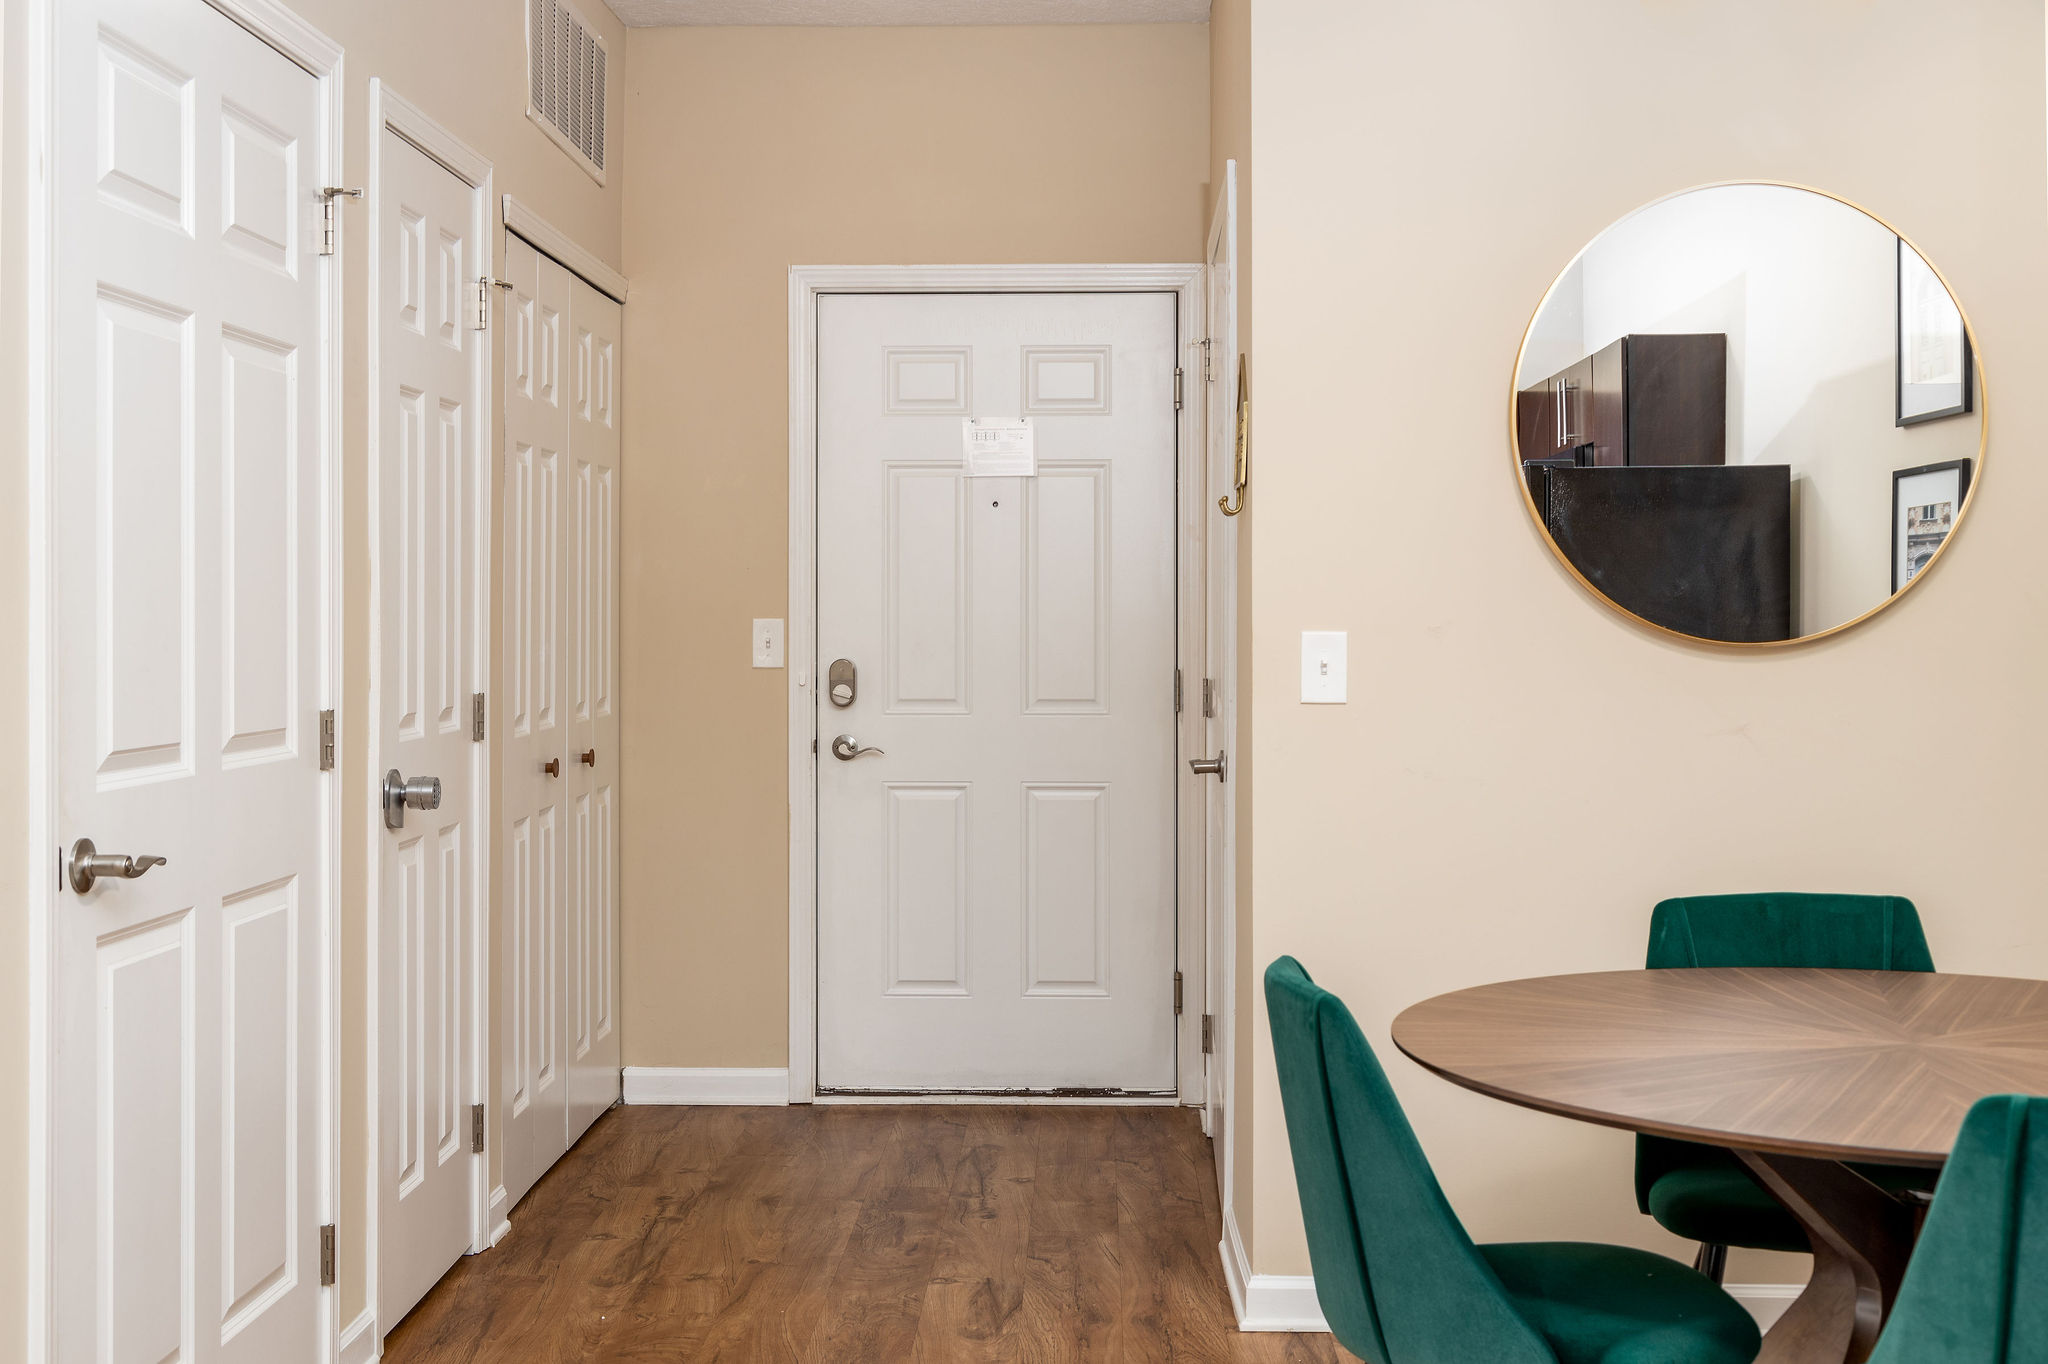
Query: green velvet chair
[1705, 1193]
[1976, 1291]
[1399, 1280]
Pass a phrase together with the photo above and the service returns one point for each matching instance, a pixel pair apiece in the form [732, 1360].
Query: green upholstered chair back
[1398, 1279]
[1782, 929]
[1977, 1289]
[1839, 932]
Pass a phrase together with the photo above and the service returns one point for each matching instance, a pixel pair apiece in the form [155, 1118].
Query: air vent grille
[566, 80]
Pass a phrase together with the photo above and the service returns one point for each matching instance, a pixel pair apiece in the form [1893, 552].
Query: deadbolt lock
[841, 684]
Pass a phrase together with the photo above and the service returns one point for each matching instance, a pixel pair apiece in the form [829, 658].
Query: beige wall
[1230, 139]
[779, 147]
[1433, 834]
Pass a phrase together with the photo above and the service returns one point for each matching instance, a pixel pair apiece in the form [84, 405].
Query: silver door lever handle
[1217, 767]
[846, 748]
[88, 864]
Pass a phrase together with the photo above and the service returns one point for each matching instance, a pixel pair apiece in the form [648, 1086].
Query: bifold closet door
[560, 735]
[532, 737]
[591, 905]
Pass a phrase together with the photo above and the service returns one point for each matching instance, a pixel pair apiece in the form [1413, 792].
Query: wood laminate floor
[856, 1233]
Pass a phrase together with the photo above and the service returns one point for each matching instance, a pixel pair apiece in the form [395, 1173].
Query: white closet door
[187, 1005]
[427, 475]
[534, 736]
[590, 617]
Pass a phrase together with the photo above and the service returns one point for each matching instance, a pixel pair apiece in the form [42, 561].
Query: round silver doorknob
[418, 793]
[1217, 767]
[846, 748]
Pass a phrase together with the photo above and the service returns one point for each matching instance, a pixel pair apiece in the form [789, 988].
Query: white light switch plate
[767, 643]
[1322, 667]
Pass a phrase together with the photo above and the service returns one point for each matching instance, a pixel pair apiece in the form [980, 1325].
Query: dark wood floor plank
[858, 1234]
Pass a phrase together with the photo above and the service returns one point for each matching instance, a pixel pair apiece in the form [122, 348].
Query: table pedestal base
[1862, 1238]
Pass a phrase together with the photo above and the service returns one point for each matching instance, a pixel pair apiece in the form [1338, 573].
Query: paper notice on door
[996, 448]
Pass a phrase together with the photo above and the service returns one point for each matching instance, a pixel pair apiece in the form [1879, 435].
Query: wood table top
[1844, 1065]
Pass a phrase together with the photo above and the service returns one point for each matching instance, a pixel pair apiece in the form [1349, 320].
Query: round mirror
[1748, 413]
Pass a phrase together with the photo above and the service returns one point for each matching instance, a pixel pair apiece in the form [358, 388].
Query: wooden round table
[1796, 1071]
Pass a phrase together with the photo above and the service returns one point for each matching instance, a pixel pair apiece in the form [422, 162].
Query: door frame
[389, 110]
[322, 58]
[807, 284]
[1219, 574]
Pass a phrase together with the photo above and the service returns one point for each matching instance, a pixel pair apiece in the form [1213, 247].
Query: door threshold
[1068, 1095]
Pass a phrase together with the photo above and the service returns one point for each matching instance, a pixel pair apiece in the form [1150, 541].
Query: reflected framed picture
[1925, 503]
[1934, 378]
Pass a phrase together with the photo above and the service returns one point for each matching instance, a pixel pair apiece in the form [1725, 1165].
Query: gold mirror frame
[1983, 402]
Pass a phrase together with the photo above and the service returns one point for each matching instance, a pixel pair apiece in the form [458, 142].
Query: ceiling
[873, 13]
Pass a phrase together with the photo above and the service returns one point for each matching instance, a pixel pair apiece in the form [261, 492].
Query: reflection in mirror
[1748, 413]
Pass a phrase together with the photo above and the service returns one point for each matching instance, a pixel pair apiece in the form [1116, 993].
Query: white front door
[189, 471]
[560, 741]
[996, 878]
[428, 486]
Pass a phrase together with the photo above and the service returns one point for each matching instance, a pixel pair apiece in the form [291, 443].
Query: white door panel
[427, 491]
[189, 354]
[996, 886]
[560, 741]
[1218, 693]
[534, 734]
[590, 617]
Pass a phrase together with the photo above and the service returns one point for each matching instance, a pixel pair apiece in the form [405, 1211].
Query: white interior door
[533, 735]
[188, 478]
[996, 883]
[426, 469]
[1218, 693]
[590, 1046]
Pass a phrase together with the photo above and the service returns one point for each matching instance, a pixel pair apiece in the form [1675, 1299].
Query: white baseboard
[1266, 1302]
[706, 1085]
[1287, 1302]
[360, 1339]
[1766, 1301]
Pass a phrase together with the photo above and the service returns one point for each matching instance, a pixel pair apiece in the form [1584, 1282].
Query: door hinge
[484, 284]
[1179, 375]
[1208, 699]
[476, 717]
[1208, 375]
[1176, 691]
[476, 1128]
[327, 1275]
[1176, 992]
[1208, 1034]
[329, 231]
[326, 741]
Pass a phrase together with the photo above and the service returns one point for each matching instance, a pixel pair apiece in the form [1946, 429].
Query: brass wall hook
[1243, 468]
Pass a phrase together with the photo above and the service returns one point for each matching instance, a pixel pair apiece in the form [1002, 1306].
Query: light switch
[1322, 667]
[767, 643]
